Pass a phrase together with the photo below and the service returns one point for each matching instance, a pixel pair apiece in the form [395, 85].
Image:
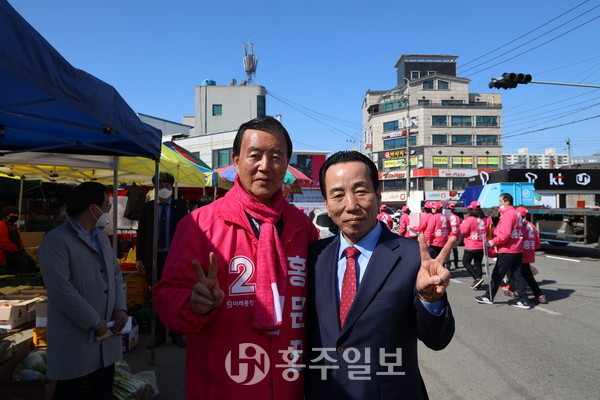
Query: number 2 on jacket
[242, 285]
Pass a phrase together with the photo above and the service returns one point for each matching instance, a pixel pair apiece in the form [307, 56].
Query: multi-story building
[524, 159]
[452, 133]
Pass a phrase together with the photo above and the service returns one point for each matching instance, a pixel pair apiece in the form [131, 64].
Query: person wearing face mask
[85, 293]
[12, 255]
[170, 212]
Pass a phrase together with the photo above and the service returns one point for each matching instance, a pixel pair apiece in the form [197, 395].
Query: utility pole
[569, 151]
[407, 97]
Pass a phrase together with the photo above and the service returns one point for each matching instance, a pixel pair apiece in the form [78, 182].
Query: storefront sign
[457, 173]
[441, 195]
[388, 197]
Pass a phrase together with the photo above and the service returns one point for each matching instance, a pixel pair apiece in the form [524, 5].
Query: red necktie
[349, 283]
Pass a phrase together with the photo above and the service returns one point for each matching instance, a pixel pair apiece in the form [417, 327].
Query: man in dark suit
[170, 211]
[372, 293]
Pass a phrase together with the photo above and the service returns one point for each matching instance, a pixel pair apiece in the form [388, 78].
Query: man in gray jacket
[85, 292]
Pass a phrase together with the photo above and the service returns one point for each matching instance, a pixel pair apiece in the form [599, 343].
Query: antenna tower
[250, 61]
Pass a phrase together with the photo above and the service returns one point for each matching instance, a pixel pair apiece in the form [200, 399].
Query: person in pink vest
[508, 239]
[385, 217]
[455, 222]
[531, 242]
[425, 215]
[474, 230]
[438, 228]
[236, 279]
[406, 229]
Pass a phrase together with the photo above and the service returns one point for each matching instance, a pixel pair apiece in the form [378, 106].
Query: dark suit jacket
[386, 315]
[179, 209]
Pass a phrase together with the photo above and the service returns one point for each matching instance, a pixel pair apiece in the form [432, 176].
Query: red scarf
[270, 258]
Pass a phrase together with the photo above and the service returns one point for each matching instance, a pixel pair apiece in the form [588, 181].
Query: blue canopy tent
[46, 104]
[49, 106]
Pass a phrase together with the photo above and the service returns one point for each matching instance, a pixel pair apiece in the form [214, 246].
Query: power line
[528, 117]
[550, 127]
[522, 36]
[533, 48]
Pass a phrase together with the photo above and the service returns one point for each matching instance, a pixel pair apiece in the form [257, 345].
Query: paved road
[498, 351]
[548, 352]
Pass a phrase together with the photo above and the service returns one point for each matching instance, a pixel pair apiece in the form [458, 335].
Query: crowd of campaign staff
[512, 242]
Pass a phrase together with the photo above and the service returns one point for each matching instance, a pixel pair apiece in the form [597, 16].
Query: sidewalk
[169, 367]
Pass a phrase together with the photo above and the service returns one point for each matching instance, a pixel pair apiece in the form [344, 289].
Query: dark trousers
[437, 249]
[455, 255]
[472, 262]
[504, 263]
[529, 279]
[98, 384]
[160, 331]
[20, 262]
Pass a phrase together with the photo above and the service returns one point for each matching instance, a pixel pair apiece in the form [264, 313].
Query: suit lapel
[326, 283]
[382, 261]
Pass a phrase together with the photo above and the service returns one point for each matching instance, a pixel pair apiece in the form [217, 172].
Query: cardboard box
[31, 239]
[130, 340]
[41, 314]
[23, 390]
[17, 310]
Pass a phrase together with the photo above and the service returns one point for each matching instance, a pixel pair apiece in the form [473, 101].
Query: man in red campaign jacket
[438, 228]
[385, 217]
[508, 239]
[455, 222]
[235, 280]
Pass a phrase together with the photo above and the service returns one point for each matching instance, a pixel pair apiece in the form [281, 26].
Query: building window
[217, 109]
[462, 140]
[390, 126]
[461, 120]
[439, 120]
[398, 143]
[489, 162]
[424, 102]
[439, 140]
[459, 183]
[428, 85]
[487, 140]
[392, 185]
[451, 102]
[261, 106]
[443, 85]
[463, 162]
[440, 183]
[221, 158]
[415, 74]
[440, 161]
[486, 121]
[431, 72]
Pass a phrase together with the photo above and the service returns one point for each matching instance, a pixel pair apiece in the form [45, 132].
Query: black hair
[476, 212]
[84, 195]
[264, 124]
[344, 157]
[507, 197]
[9, 210]
[164, 177]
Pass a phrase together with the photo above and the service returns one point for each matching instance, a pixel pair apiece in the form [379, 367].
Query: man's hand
[100, 328]
[206, 295]
[120, 317]
[139, 265]
[433, 278]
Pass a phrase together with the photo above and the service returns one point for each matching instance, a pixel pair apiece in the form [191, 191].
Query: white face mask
[103, 220]
[164, 193]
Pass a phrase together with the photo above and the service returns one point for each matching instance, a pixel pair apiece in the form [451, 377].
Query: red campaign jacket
[423, 222]
[404, 224]
[455, 225]
[531, 242]
[223, 228]
[438, 230]
[386, 219]
[5, 243]
[508, 235]
[474, 231]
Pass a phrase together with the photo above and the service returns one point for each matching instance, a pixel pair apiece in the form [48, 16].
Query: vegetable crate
[137, 291]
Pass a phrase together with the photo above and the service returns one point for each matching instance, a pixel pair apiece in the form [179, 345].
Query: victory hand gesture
[206, 294]
[433, 278]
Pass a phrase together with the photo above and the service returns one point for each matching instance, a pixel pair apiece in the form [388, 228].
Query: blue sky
[318, 58]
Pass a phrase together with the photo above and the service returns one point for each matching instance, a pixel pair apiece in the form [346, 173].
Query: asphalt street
[498, 351]
[502, 352]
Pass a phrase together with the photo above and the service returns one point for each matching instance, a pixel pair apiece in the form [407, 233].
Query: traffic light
[509, 80]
